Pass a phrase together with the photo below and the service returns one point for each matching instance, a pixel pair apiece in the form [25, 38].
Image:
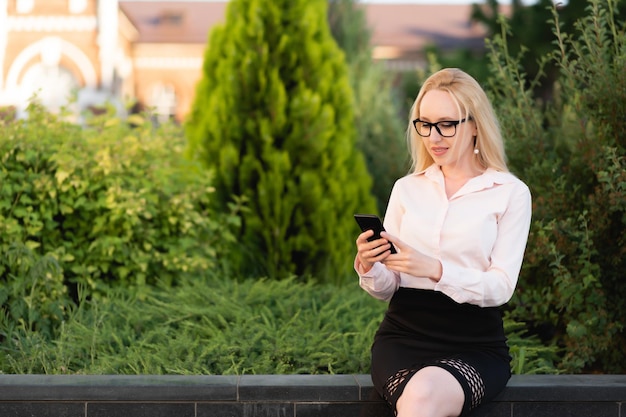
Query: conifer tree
[381, 124]
[273, 121]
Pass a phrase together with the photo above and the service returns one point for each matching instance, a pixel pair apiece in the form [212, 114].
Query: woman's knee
[431, 392]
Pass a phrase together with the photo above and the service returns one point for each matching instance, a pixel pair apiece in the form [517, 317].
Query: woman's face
[453, 144]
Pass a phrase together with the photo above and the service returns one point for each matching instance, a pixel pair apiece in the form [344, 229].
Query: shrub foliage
[115, 256]
[111, 202]
[571, 151]
[273, 119]
[219, 326]
[379, 118]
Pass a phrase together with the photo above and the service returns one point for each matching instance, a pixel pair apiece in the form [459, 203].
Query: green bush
[273, 120]
[571, 151]
[111, 201]
[378, 117]
[32, 295]
[220, 325]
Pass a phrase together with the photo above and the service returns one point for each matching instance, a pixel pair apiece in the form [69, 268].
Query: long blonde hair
[473, 102]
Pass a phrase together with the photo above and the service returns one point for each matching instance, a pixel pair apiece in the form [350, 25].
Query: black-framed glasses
[445, 128]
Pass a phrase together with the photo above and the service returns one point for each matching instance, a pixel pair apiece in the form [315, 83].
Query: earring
[476, 151]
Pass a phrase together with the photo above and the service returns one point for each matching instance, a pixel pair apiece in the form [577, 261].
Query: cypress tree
[273, 121]
[381, 124]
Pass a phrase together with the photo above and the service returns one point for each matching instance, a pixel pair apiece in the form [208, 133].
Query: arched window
[52, 85]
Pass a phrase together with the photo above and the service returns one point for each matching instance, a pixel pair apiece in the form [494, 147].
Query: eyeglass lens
[444, 128]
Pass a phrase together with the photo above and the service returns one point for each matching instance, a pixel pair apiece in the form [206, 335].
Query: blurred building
[152, 51]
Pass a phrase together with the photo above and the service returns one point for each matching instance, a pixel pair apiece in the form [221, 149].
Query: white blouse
[479, 235]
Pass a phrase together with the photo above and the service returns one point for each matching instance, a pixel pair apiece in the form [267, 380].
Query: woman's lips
[438, 151]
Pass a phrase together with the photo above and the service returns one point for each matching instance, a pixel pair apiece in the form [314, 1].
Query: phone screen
[372, 222]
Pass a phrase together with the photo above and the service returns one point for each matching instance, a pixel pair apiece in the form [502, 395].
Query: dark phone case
[372, 222]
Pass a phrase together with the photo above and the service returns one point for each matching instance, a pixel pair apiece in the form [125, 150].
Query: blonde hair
[473, 103]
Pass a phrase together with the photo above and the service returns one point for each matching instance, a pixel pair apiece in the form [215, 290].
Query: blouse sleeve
[495, 286]
[379, 281]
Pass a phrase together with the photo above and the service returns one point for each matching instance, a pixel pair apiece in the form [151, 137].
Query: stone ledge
[284, 395]
[579, 388]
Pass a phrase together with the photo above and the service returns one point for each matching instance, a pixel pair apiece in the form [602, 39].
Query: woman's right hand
[368, 253]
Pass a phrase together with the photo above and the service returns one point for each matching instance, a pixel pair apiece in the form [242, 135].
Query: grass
[216, 326]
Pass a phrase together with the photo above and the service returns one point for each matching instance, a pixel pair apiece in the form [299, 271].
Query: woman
[460, 222]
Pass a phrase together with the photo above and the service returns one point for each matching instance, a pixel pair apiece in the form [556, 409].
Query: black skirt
[427, 328]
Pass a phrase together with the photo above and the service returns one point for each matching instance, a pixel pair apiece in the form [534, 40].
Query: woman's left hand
[411, 261]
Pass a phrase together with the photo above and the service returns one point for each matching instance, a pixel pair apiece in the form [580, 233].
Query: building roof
[174, 21]
[413, 26]
[397, 29]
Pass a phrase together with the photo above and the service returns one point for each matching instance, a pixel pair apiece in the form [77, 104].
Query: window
[163, 101]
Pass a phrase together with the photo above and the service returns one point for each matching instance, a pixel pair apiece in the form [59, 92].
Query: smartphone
[372, 222]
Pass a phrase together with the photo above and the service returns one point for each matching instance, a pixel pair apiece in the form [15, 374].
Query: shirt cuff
[449, 276]
[377, 281]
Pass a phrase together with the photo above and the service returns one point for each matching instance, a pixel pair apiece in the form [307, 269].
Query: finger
[365, 245]
[374, 247]
[378, 257]
[364, 249]
[362, 238]
[374, 251]
[396, 266]
[391, 238]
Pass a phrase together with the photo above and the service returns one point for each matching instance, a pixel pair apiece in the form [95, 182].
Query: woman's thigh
[431, 391]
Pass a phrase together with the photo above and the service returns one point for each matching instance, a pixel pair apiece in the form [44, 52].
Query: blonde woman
[459, 221]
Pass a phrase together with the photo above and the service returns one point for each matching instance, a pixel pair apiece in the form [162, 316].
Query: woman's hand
[411, 261]
[368, 253]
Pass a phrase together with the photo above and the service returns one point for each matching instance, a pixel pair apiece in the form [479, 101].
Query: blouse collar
[487, 179]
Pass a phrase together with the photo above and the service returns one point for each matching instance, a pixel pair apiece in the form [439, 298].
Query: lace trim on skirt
[469, 378]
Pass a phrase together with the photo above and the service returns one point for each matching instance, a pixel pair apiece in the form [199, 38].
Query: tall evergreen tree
[380, 120]
[273, 120]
